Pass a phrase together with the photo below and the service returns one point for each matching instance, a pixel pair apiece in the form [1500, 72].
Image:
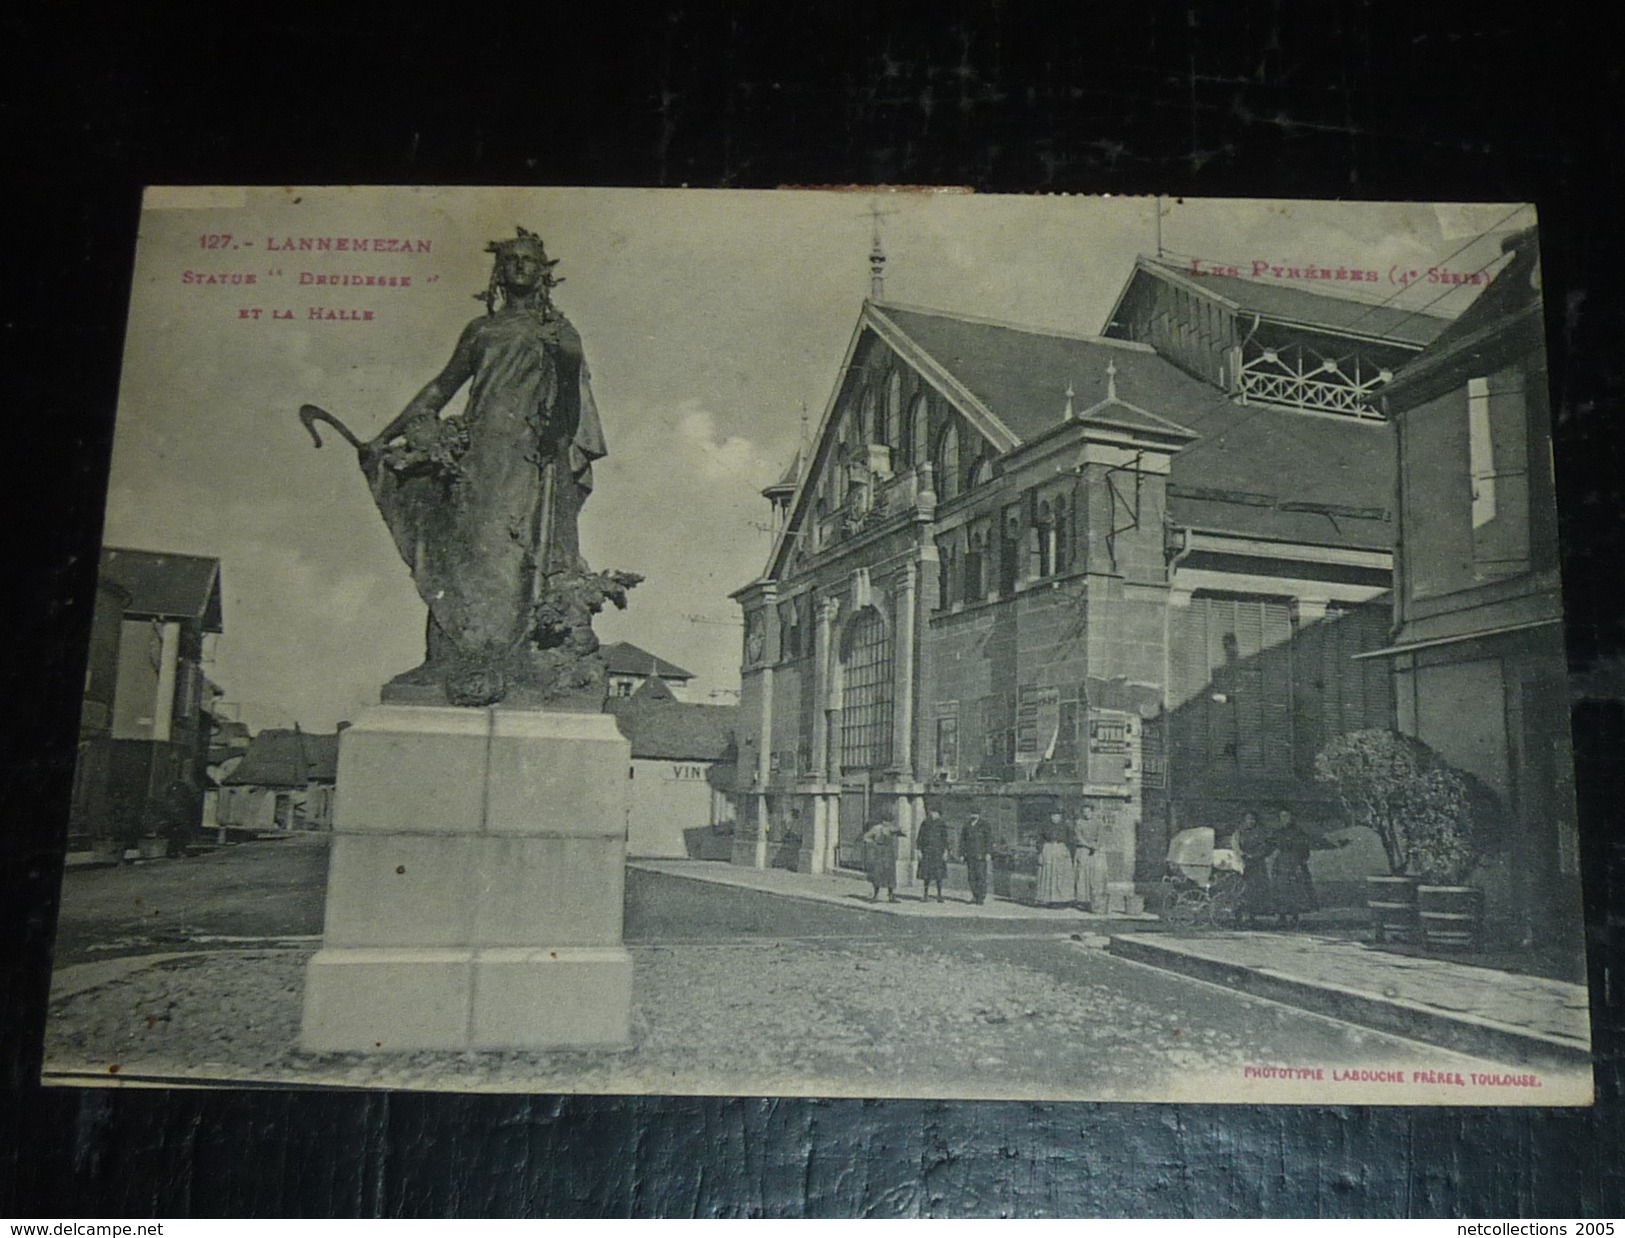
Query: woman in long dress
[1255, 846]
[1294, 887]
[1057, 879]
[880, 859]
[1089, 837]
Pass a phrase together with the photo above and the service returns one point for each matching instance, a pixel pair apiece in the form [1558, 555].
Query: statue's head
[522, 270]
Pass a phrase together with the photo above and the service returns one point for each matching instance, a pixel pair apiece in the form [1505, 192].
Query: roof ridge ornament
[1069, 413]
[877, 267]
[1111, 378]
[877, 255]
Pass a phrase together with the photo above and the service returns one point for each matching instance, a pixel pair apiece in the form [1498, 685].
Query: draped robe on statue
[481, 545]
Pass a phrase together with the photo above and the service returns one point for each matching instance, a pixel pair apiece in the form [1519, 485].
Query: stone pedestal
[475, 888]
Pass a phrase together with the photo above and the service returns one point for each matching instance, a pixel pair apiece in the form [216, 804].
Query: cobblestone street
[741, 992]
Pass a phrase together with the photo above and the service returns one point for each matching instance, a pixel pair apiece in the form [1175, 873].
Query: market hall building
[1019, 571]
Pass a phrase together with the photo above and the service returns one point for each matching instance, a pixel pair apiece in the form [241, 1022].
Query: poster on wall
[473, 556]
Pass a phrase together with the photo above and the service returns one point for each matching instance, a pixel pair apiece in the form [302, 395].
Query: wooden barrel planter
[1392, 902]
[1452, 917]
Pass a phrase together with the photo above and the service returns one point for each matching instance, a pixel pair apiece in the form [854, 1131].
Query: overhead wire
[1222, 401]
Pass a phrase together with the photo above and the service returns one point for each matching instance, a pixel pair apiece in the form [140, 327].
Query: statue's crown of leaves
[526, 242]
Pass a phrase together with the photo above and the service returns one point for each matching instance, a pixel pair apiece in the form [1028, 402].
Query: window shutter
[1247, 705]
[1184, 633]
[1221, 637]
[1376, 680]
[1275, 664]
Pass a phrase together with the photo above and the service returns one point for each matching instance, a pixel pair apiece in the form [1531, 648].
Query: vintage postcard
[809, 643]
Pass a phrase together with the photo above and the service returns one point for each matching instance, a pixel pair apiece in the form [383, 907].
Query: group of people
[932, 845]
[1073, 870]
[1072, 866]
[1275, 876]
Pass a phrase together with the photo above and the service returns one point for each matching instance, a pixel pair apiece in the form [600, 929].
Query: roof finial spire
[1068, 413]
[877, 255]
[877, 262]
[1111, 379]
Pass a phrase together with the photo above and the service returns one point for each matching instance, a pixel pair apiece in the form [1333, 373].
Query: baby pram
[1201, 886]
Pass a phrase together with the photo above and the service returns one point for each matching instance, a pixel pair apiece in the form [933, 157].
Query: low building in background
[682, 770]
[629, 668]
[146, 751]
[228, 745]
[90, 812]
[283, 783]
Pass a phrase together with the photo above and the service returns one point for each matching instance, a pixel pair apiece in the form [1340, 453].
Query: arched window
[948, 478]
[894, 412]
[866, 693]
[790, 629]
[947, 563]
[866, 418]
[976, 567]
[982, 473]
[839, 458]
[919, 429]
[1010, 550]
[1060, 552]
[1044, 539]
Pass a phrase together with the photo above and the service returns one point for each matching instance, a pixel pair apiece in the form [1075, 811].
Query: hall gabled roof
[1249, 470]
[1022, 375]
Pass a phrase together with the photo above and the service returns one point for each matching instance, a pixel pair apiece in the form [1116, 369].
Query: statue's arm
[437, 394]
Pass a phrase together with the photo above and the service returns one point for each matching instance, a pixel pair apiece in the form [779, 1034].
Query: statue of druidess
[483, 506]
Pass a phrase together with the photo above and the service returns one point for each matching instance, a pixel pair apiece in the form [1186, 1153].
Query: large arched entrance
[864, 724]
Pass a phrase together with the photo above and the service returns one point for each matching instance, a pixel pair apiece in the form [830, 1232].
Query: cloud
[678, 500]
[717, 455]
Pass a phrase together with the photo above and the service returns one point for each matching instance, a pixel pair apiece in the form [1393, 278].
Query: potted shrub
[1431, 819]
[1373, 774]
[1447, 844]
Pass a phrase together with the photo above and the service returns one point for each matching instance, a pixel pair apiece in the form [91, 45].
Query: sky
[713, 321]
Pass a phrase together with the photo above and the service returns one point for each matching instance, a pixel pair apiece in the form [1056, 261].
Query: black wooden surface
[1252, 98]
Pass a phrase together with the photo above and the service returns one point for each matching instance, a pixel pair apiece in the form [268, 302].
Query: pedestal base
[475, 886]
[378, 1000]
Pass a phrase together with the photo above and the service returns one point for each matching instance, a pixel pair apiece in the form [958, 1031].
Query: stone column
[832, 831]
[764, 822]
[903, 696]
[815, 835]
[764, 772]
[475, 892]
[908, 820]
[821, 685]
